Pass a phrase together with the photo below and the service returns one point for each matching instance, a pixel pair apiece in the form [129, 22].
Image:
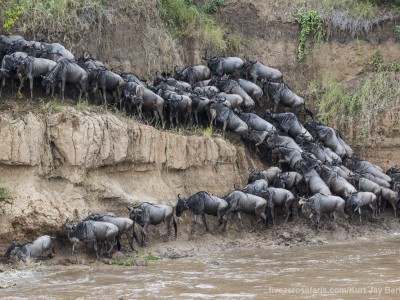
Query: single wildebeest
[360, 199]
[129, 77]
[235, 100]
[330, 138]
[180, 106]
[202, 203]
[281, 93]
[289, 124]
[199, 109]
[193, 74]
[220, 65]
[389, 196]
[363, 166]
[55, 51]
[276, 140]
[91, 231]
[180, 85]
[254, 70]
[318, 151]
[320, 203]
[107, 81]
[278, 197]
[290, 181]
[36, 249]
[147, 214]
[123, 224]
[343, 171]
[8, 68]
[250, 204]
[32, 67]
[268, 174]
[155, 103]
[67, 71]
[257, 123]
[253, 90]
[133, 98]
[230, 86]
[228, 118]
[287, 155]
[313, 182]
[336, 183]
[376, 179]
[366, 185]
[256, 187]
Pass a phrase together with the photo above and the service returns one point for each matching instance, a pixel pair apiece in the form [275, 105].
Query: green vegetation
[310, 23]
[130, 261]
[185, 20]
[376, 61]
[212, 6]
[361, 105]
[5, 193]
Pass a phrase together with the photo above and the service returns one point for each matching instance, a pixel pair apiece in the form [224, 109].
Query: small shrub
[207, 133]
[397, 31]
[394, 66]
[212, 6]
[5, 193]
[376, 61]
[310, 23]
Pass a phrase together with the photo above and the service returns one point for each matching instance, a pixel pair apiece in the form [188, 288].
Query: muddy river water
[367, 269]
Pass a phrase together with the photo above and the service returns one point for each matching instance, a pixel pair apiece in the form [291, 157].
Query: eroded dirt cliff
[65, 164]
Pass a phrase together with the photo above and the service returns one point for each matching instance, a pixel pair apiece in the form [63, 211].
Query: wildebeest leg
[358, 208]
[276, 105]
[224, 128]
[194, 224]
[3, 82]
[144, 233]
[30, 86]
[240, 220]
[169, 227]
[96, 249]
[203, 216]
[62, 90]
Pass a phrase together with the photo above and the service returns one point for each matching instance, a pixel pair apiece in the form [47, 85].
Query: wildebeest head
[135, 213]
[304, 205]
[253, 175]
[12, 249]
[181, 206]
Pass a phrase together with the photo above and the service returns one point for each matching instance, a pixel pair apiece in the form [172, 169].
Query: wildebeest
[147, 214]
[390, 196]
[276, 140]
[320, 203]
[41, 246]
[330, 138]
[8, 68]
[91, 231]
[55, 51]
[363, 166]
[360, 199]
[313, 182]
[228, 118]
[336, 183]
[107, 81]
[67, 71]
[366, 185]
[278, 197]
[257, 123]
[250, 204]
[252, 89]
[254, 70]
[180, 85]
[220, 65]
[180, 106]
[133, 98]
[280, 93]
[32, 67]
[287, 155]
[268, 174]
[290, 181]
[256, 187]
[123, 224]
[202, 203]
[193, 74]
[235, 100]
[154, 103]
[230, 86]
[289, 124]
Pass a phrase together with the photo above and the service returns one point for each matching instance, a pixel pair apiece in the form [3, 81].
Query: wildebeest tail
[308, 112]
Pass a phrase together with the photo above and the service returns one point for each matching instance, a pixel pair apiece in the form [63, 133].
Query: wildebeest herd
[314, 167]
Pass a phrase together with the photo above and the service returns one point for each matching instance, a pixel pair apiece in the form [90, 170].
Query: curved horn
[234, 186]
[175, 68]
[130, 208]
[179, 196]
